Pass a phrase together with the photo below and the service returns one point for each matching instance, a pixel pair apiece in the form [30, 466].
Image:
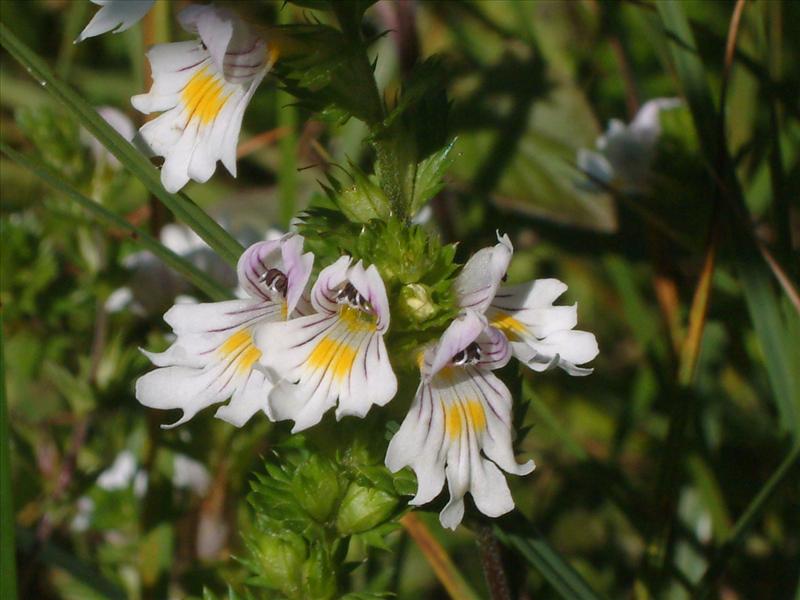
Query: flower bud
[416, 303]
[316, 487]
[281, 557]
[364, 508]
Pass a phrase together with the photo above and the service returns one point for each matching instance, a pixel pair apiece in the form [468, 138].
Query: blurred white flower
[625, 153]
[115, 16]
[120, 474]
[153, 286]
[121, 124]
[190, 474]
[202, 88]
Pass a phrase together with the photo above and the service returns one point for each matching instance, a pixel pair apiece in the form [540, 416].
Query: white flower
[204, 87]
[214, 357]
[541, 335]
[121, 124]
[153, 286]
[190, 474]
[626, 152]
[120, 474]
[461, 410]
[116, 16]
[338, 352]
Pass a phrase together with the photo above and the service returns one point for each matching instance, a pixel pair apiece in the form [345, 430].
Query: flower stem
[389, 166]
[492, 563]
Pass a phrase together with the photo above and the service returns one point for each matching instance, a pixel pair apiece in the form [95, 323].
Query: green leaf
[212, 289]
[180, 204]
[326, 72]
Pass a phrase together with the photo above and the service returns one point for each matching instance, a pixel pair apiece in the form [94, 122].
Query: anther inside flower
[214, 356]
[337, 354]
[459, 425]
[468, 356]
[349, 295]
[276, 283]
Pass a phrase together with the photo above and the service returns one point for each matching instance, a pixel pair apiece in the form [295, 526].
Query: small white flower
[214, 357]
[338, 352]
[190, 474]
[541, 335]
[204, 87]
[120, 474]
[121, 124]
[153, 286]
[459, 426]
[116, 16]
[626, 152]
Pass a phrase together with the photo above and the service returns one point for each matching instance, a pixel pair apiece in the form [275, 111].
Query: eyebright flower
[338, 352]
[541, 335]
[116, 16]
[625, 152]
[204, 86]
[461, 409]
[214, 357]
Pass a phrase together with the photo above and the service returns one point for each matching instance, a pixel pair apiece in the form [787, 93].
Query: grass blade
[755, 277]
[8, 561]
[51, 554]
[181, 205]
[211, 288]
[753, 511]
[538, 553]
[437, 557]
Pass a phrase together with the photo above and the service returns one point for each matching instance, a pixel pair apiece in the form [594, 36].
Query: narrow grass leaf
[51, 554]
[180, 204]
[441, 563]
[8, 566]
[538, 553]
[212, 289]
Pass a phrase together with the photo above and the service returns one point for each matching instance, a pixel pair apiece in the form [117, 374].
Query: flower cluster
[294, 351]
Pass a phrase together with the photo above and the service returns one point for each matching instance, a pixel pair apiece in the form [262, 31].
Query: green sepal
[316, 487]
[362, 199]
[364, 508]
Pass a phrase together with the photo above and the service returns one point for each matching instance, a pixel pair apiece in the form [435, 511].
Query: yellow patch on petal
[240, 348]
[452, 421]
[334, 355]
[471, 410]
[204, 96]
[510, 326]
[476, 415]
[248, 358]
[357, 320]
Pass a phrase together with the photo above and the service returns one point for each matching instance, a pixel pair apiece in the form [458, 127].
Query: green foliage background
[670, 472]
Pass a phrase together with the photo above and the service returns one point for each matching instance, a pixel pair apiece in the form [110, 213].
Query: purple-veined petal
[477, 283]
